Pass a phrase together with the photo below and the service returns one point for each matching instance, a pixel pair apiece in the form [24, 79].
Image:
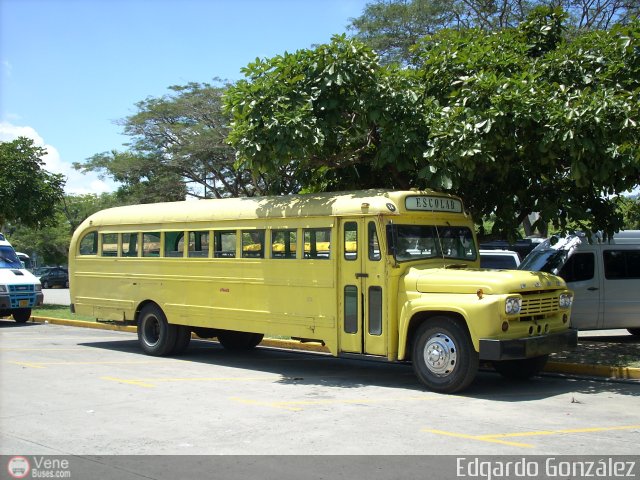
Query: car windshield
[420, 242]
[550, 261]
[8, 258]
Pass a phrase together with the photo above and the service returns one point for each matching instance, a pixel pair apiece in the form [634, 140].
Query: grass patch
[59, 311]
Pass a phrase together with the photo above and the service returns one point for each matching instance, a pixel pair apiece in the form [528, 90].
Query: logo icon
[18, 467]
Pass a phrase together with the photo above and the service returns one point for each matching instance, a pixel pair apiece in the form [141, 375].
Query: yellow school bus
[387, 274]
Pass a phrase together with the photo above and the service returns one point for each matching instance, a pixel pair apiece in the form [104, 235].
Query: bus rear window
[89, 244]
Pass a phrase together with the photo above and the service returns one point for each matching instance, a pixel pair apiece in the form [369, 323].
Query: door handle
[362, 275]
[593, 289]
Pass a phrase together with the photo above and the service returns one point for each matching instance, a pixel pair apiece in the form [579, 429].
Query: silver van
[604, 275]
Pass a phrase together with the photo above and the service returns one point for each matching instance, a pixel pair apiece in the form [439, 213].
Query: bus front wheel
[443, 355]
[156, 336]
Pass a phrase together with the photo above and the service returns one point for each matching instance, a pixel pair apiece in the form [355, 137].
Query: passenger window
[224, 244]
[253, 244]
[173, 244]
[283, 243]
[373, 243]
[89, 244]
[129, 244]
[351, 241]
[109, 244]
[151, 244]
[621, 264]
[579, 267]
[317, 243]
[198, 244]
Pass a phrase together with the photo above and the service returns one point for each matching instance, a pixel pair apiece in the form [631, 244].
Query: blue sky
[71, 68]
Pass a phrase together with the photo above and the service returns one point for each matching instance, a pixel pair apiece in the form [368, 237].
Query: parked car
[55, 276]
[604, 275]
[499, 259]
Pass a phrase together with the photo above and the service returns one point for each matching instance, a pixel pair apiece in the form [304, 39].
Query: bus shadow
[10, 323]
[304, 368]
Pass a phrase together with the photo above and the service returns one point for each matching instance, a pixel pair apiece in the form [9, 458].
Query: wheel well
[141, 306]
[421, 317]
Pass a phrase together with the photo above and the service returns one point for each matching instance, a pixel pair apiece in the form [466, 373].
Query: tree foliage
[516, 121]
[49, 245]
[28, 193]
[393, 27]
[332, 115]
[179, 148]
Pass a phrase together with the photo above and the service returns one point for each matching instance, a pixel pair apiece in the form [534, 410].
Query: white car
[604, 275]
[499, 259]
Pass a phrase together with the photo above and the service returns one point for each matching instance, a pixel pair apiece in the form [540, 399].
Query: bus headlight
[38, 287]
[513, 305]
[566, 300]
[3, 288]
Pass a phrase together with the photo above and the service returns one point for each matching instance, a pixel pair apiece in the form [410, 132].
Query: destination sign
[433, 204]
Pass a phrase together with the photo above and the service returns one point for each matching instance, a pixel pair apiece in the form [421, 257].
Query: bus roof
[369, 202]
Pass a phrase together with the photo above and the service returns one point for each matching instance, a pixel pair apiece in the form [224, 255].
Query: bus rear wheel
[239, 340]
[156, 336]
[443, 356]
[22, 315]
[183, 338]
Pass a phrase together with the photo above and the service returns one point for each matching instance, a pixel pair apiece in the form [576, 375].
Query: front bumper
[521, 348]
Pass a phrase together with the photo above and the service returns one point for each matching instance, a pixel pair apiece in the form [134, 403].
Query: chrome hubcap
[440, 355]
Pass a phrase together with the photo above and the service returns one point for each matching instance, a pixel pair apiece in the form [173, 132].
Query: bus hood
[16, 276]
[442, 280]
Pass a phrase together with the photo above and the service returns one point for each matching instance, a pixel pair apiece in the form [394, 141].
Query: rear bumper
[521, 348]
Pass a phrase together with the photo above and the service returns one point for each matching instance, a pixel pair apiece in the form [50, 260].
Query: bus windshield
[421, 242]
[8, 258]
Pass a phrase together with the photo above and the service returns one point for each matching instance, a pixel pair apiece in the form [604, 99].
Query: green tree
[142, 178]
[179, 148]
[29, 193]
[394, 27]
[516, 121]
[49, 245]
[332, 115]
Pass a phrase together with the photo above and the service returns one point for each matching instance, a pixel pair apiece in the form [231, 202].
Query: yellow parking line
[558, 432]
[130, 382]
[495, 437]
[27, 364]
[48, 364]
[151, 382]
[296, 405]
[483, 438]
[38, 349]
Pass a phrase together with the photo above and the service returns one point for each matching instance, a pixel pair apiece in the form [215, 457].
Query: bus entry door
[361, 307]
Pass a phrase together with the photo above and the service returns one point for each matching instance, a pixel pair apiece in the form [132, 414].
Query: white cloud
[77, 182]
[7, 68]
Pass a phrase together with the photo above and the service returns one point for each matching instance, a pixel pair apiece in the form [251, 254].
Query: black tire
[521, 369]
[66, 284]
[443, 356]
[156, 336]
[239, 340]
[183, 337]
[22, 315]
[45, 284]
[634, 331]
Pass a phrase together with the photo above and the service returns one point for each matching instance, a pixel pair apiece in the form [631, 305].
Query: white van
[20, 291]
[604, 275]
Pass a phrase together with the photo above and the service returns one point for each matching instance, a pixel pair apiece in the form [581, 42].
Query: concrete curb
[624, 373]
